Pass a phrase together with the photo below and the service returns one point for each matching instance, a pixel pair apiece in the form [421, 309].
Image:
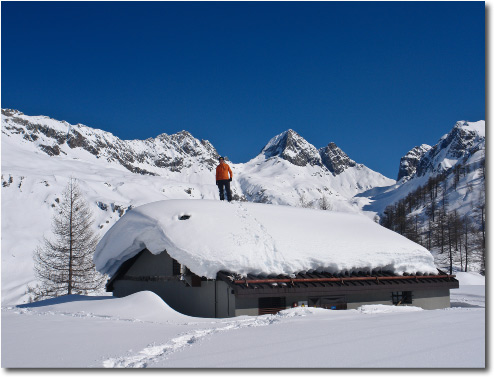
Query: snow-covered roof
[256, 238]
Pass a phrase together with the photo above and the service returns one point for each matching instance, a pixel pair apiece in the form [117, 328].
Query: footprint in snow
[155, 353]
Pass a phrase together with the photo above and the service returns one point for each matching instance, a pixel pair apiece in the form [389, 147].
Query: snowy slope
[260, 239]
[33, 180]
[289, 170]
[464, 144]
[40, 154]
[464, 140]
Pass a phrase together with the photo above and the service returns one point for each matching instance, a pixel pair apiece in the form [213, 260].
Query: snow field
[141, 331]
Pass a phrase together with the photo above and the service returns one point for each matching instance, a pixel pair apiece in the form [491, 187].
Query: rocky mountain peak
[463, 140]
[11, 112]
[171, 152]
[292, 147]
[335, 159]
[409, 162]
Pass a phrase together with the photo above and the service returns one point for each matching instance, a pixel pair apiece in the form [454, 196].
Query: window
[271, 305]
[401, 298]
[333, 303]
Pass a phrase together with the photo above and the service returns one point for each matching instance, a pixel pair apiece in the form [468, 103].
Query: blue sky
[375, 78]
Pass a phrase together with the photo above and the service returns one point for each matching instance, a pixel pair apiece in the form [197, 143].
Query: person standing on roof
[224, 176]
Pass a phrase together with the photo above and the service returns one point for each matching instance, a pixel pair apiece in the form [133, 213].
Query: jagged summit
[292, 147]
[464, 140]
[335, 159]
[11, 112]
[463, 146]
[58, 138]
[327, 172]
[409, 162]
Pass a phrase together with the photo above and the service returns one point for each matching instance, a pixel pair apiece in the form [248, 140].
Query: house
[217, 259]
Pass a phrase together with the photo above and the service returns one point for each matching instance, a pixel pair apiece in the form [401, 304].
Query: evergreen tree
[65, 265]
[456, 238]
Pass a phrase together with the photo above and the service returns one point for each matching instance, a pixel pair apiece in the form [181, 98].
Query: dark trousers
[223, 185]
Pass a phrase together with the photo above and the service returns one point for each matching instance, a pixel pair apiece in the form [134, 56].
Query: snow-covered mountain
[335, 159]
[164, 155]
[409, 162]
[293, 148]
[461, 144]
[291, 171]
[40, 155]
[464, 145]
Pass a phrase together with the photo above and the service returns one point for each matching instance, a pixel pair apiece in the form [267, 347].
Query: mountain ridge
[40, 155]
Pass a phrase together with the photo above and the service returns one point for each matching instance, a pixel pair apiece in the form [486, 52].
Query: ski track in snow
[159, 352]
[154, 353]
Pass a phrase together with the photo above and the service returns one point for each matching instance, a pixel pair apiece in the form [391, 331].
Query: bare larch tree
[65, 265]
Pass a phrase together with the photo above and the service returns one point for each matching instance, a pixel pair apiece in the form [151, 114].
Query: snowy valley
[40, 155]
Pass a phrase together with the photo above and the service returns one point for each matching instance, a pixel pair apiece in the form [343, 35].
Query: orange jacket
[222, 171]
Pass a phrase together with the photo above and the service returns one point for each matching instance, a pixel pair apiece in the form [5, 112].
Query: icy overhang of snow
[259, 239]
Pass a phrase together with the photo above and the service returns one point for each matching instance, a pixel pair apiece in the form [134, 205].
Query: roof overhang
[323, 283]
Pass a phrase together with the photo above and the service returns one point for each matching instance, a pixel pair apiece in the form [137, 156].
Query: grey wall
[193, 301]
[149, 264]
[432, 299]
[215, 298]
[375, 298]
[246, 306]
[426, 299]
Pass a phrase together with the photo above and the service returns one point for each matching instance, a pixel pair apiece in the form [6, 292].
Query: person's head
[222, 160]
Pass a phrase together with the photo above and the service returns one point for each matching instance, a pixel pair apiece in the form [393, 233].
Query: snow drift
[141, 306]
[210, 236]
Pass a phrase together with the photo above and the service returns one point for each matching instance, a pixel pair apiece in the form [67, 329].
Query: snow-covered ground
[142, 331]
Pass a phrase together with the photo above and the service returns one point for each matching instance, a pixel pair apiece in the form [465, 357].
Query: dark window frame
[402, 298]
